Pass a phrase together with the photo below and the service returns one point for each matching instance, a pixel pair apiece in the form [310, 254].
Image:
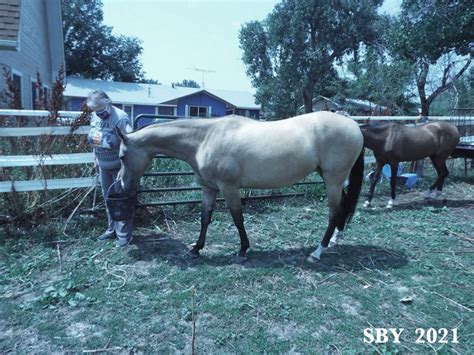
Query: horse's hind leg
[232, 198]
[373, 181]
[439, 163]
[208, 203]
[336, 216]
[393, 183]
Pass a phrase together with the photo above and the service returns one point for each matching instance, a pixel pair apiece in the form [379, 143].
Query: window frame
[198, 111]
[19, 74]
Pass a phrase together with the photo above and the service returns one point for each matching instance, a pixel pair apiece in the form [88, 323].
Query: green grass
[62, 293]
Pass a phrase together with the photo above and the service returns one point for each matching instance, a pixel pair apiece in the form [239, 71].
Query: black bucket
[120, 205]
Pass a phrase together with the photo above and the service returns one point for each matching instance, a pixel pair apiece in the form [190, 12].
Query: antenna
[202, 71]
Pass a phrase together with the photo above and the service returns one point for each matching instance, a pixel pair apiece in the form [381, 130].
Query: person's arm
[124, 125]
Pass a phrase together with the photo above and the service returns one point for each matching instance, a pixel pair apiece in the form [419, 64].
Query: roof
[364, 103]
[9, 23]
[324, 98]
[240, 99]
[152, 94]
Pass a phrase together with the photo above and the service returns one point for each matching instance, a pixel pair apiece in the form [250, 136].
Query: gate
[147, 119]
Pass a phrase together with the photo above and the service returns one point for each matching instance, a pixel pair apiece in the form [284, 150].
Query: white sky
[181, 34]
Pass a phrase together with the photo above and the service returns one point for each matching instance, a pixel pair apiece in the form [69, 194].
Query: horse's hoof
[238, 259]
[429, 194]
[366, 204]
[333, 243]
[193, 254]
[311, 259]
[390, 204]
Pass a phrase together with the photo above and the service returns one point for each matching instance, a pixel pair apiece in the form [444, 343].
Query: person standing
[103, 138]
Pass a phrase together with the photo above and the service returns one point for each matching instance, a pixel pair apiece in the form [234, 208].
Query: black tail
[356, 177]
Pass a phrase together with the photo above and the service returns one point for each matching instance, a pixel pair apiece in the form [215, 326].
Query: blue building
[137, 98]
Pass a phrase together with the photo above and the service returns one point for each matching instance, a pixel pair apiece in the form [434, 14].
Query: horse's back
[406, 143]
[279, 153]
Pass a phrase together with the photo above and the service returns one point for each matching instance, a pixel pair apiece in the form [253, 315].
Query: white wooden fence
[7, 161]
[84, 158]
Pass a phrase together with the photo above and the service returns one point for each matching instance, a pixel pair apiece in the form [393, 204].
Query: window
[36, 96]
[166, 110]
[197, 111]
[16, 77]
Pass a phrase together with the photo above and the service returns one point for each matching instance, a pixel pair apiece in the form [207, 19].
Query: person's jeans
[122, 229]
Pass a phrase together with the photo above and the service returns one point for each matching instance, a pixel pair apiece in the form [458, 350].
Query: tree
[382, 80]
[460, 95]
[150, 81]
[434, 33]
[92, 51]
[187, 84]
[292, 52]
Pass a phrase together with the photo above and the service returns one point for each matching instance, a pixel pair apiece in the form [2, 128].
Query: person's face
[103, 114]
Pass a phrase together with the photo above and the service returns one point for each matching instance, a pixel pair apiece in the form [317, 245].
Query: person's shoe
[123, 242]
[105, 236]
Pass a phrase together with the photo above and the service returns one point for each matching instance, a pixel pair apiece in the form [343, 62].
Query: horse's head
[134, 161]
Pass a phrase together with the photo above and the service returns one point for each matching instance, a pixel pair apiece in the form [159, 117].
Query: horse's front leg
[373, 181]
[232, 198]
[393, 183]
[208, 202]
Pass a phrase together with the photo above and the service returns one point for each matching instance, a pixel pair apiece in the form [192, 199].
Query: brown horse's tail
[356, 178]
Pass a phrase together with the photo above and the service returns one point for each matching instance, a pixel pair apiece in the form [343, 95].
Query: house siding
[34, 51]
[202, 99]
[75, 103]
[143, 109]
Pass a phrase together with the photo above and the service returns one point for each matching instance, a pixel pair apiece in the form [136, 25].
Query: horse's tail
[356, 178]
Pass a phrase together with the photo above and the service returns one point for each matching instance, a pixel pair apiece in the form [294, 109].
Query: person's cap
[98, 100]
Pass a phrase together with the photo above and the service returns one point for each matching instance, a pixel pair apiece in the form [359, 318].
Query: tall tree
[434, 33]
[187, 84]
[378, 78]
[92, 51]
[293, 50]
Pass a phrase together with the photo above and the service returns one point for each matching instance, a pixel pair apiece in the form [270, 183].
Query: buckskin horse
[235, 152]
[393, 143]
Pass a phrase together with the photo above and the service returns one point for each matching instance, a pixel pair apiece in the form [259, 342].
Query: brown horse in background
[393, 143]
[235, 152]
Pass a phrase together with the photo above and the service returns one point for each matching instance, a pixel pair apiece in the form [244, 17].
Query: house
[364, 108]
[322, 103]
[31, 42]
[139, 98]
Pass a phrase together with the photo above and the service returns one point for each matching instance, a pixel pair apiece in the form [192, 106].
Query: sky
[179, 36]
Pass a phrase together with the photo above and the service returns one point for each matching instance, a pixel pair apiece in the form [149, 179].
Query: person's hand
[96, 139]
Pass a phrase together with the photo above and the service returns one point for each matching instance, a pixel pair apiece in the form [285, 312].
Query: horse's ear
[122, 136]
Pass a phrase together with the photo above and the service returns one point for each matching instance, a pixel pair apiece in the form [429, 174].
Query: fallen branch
[93, 351]
[75, 209]
[471, 240]
[355, 275]
[59, 257]
[193, 336]
[450, 300]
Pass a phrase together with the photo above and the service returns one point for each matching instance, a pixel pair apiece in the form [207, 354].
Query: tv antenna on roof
[203, 71]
